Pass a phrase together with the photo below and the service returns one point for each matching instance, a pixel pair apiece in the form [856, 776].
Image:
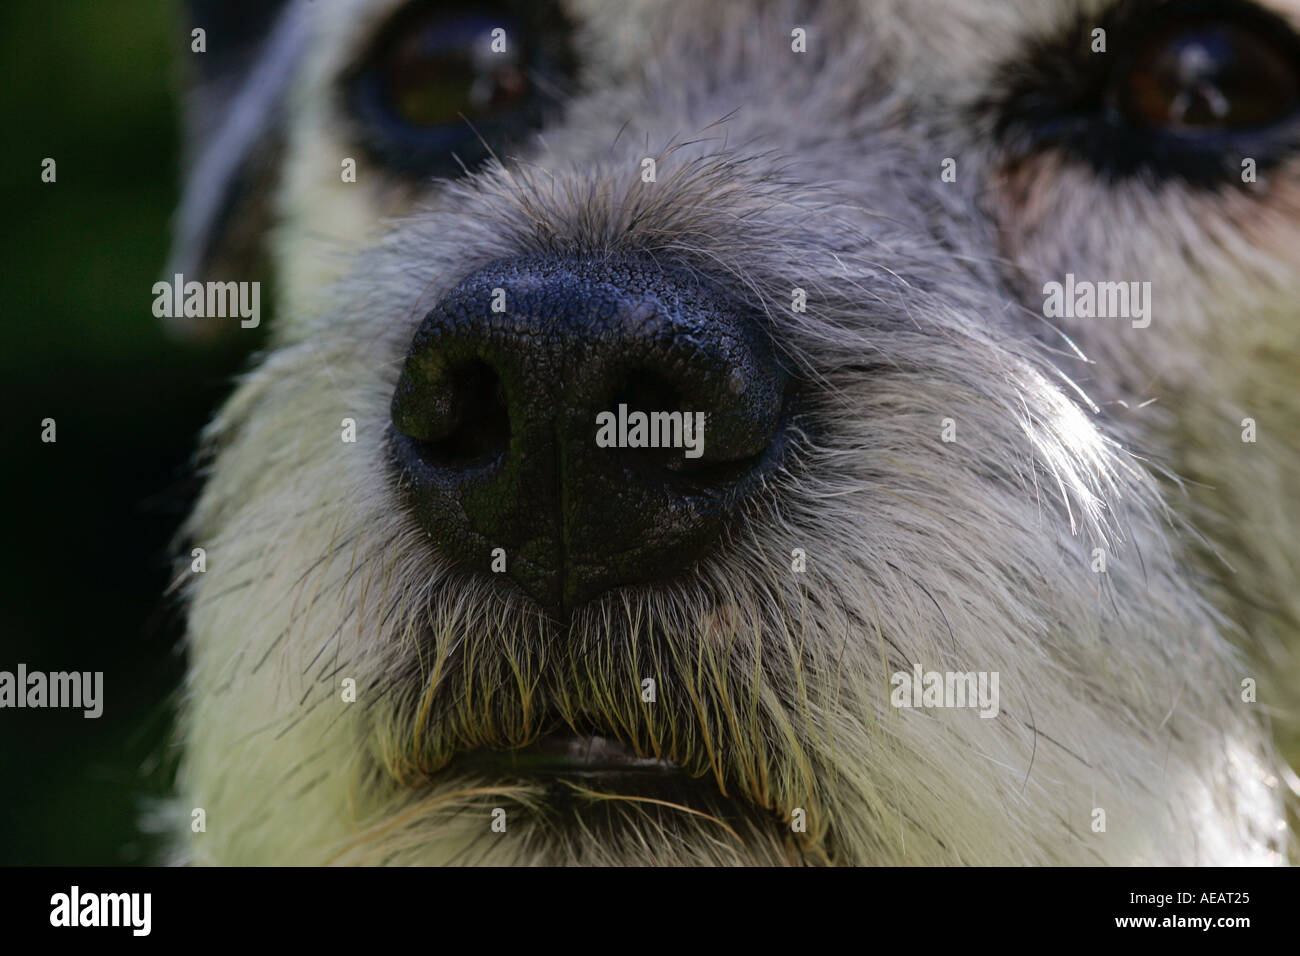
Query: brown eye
[1190, 90]
[1208, 77]
[444, 70]
[446, 83]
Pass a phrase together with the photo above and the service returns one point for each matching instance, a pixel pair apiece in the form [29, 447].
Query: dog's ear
[236, 73]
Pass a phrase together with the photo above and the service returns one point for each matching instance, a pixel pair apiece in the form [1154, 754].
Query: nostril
[646, 391]
[649, 393]
[457, 415]
[688, 410]
[482, 428]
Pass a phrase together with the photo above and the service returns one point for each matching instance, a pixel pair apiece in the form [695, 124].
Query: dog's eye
[1187, 89]
[449, 71]
[1209, 76]
[444, 85]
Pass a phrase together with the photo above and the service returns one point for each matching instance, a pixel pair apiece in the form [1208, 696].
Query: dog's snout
[580, 425]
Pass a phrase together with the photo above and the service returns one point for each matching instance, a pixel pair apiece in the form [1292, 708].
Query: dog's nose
[584, 424]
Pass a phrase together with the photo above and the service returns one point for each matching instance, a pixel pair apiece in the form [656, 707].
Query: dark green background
[89, 519]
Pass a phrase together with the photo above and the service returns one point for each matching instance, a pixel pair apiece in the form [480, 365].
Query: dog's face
[442, 621]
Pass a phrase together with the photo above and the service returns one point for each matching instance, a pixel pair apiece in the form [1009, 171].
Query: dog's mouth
[576, 790]
[573, 766]
[580, 756]
[585, 775]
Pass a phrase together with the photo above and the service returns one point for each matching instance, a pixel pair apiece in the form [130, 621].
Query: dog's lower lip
[568, 755]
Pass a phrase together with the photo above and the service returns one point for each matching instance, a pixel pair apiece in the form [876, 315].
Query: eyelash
[1056, 96]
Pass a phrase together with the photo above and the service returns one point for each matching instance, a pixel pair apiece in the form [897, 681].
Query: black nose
[534, 409]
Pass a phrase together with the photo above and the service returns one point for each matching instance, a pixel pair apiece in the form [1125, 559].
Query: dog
[984, 553]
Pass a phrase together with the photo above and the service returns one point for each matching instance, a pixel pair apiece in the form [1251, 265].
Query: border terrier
[984, 551]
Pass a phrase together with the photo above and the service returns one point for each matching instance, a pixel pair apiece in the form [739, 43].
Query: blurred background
[89, 519]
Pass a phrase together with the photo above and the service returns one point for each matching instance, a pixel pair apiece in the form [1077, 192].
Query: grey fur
[1120, 691]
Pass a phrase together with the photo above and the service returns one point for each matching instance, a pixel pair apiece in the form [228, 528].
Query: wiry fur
[1119, 691]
